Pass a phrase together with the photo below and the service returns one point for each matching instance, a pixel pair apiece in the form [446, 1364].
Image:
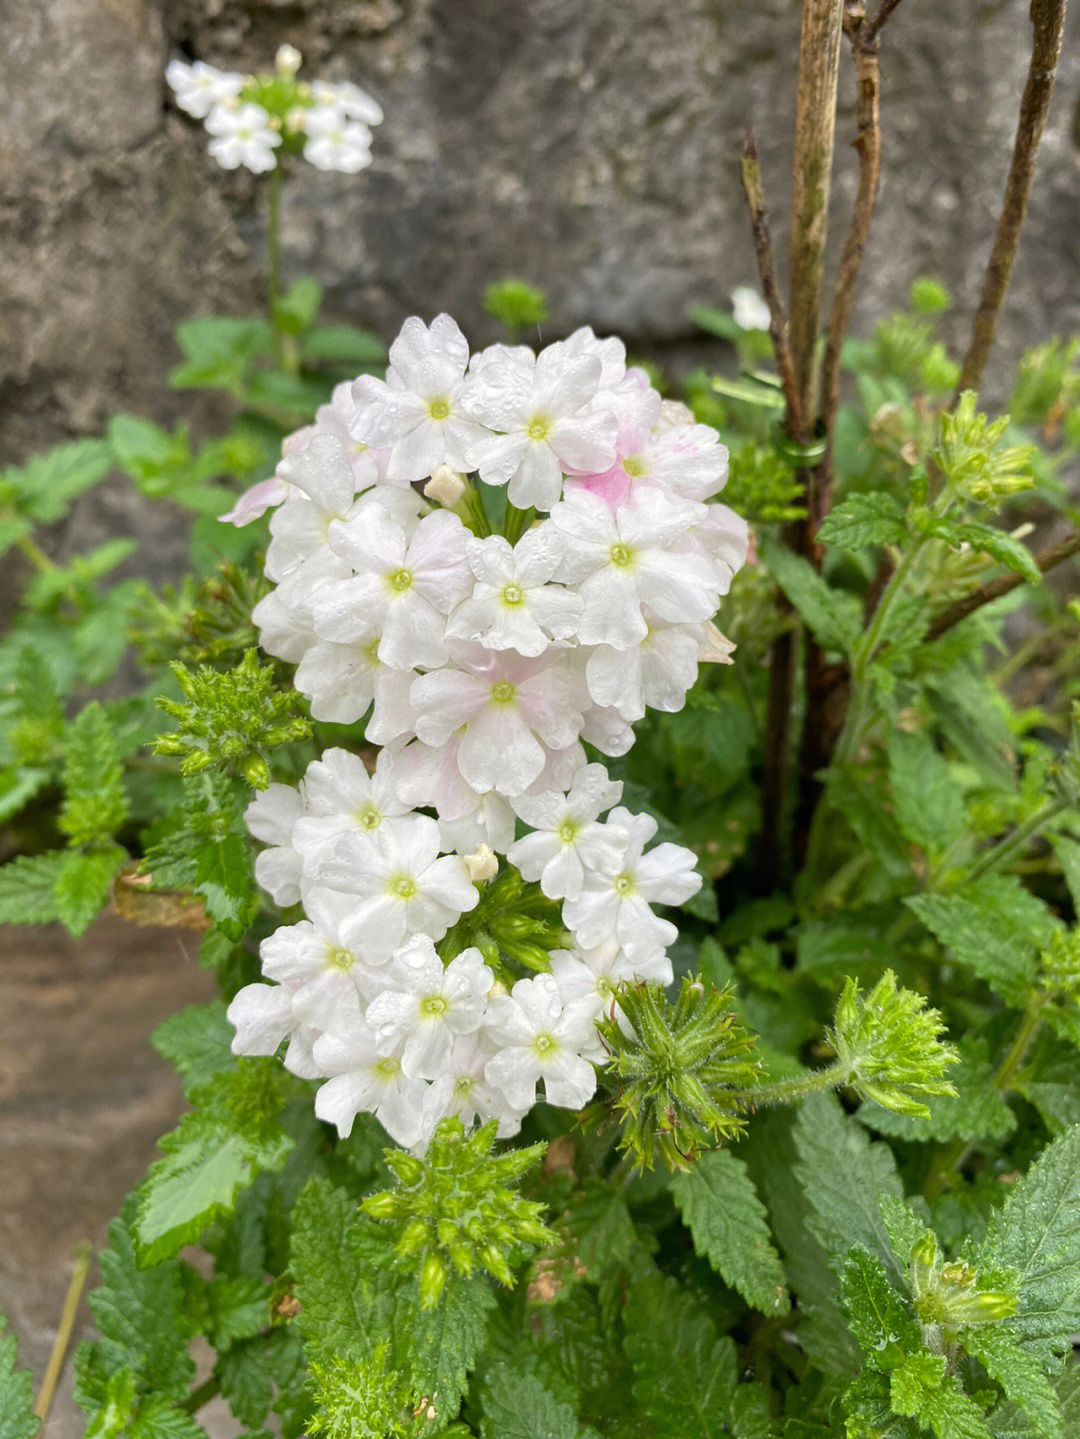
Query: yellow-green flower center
[403, 886]
[401, 580]
[624, 884]
[621, 555]
[368, 817]
[634, 467]
[512, 595]
[544, 1044]
[388, 1068]
[538, 428]
[338, 958]
[439, 409]
[433, 1004]
[568, 830]
[502, 692]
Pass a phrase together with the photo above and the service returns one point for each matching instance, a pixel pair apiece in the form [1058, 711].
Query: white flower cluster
[486, 659]
[251, 117]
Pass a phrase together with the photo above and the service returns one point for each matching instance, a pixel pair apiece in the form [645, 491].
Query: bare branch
[1047, 19]
[750, 172]
[1046, 560]
[884, 11]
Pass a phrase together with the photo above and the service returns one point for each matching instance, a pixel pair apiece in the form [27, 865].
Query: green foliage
[888, 1046]
[973, 458]
[454, 1210]
[519, 305]
[519, 1407]
[678, 1073]
[17, 1420]
[718, 1203]
[233, 719]
[95, 800]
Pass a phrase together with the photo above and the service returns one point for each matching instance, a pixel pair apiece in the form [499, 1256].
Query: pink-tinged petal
[413, 634]
[430, 776]
[445, 700]
[256, 501]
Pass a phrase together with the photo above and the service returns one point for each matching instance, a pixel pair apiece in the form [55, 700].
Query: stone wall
[589, 146]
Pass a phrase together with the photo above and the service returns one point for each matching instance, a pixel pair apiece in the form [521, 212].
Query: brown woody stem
[750, 173]
[1047, 19]
[1046, 560]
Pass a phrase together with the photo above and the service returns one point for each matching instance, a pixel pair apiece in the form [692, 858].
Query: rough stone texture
[83, 1101]
[590, 148]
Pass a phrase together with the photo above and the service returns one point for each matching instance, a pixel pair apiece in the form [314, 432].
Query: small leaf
[28, 888]
[876, 518]
[730, 1228]
[1021, 1376]
[685, 1375]
[518, 1406]
[928, 801]
[17, 1419]
[879, 1318]
[342, 344]
[295, 310]
[833, 616]
[84, 884]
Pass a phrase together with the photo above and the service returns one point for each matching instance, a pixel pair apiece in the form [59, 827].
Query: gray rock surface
[589, 147]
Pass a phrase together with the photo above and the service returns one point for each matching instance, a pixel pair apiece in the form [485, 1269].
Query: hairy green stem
[516, 522]
[790, 1091]
[273, 243]
[1014, 843]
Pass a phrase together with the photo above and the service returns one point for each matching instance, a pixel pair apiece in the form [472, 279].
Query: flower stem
[1012, 845]
[516, 522]
[273, 243]
[790, 1091]
[55, 1366]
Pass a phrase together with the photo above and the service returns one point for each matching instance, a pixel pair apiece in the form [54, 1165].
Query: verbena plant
[808, 1161]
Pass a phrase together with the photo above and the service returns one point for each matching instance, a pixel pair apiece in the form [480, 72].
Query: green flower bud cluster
[360, 1401]
[947, 1297]
[888, 1048]
[456, 1210]
[514, 924]
[678, 1073]
[207, 623]
[234, 718]
[975, 463]
[1059, 966]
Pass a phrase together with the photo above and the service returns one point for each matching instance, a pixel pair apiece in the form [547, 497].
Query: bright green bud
[255, 770]
[677, 1075]
[888, 1048]
[432, 1280]
[413, 1236]
[407, 1168]
[973, 459]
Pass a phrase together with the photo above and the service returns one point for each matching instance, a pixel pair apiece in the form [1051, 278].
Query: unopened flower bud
[446, 486]
[432, 1281]
[483, 865]
[288, 59]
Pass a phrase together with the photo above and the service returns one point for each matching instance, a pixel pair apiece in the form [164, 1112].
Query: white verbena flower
[243, 135]
[566, 839]
[199, 87]
[429, 1004]
[363, 1076]
[334, 141]
[513, 605]
[539, 1037]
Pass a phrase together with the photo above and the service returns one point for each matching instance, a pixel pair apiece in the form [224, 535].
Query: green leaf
[96, 802]
[140, 1320]
[339, 1265]
[1035, 1239]
[344, 345]
[144, 450]
[684, 1374]
[922, 1390]
[198, 1041]
[834, 617]
[214, 1153]
[871, 519]
[443, 1343]
[844, 1176]
[849, 940]
[878, 1316]
[17, 1420]
[28, 888]
[1068, 853]
[1010, 1423]
[1003, 548]
[928, 802]
[45, 486]
[219, 350]
[83, 886]
[295, 310]
[17, 788]
[730, 1228]
[158, 1419]
[249, 1370]
[518, 1406]
[602, 1228]
[975, 1111]
[993, 927]
[225, 882]
[1021, 1375]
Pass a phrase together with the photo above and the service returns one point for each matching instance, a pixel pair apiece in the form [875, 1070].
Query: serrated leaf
[443, 1343]
[28, 888]
[45, 486]
[95, 800]
[976, 1111]
[1021, 1376]
[833, 616]
[876, 518]
[339, 1265]
[198, 1041]
[730, 1228]
[139, 1317]
[1035, 1237]
[602, 1228]
[225, 882]
[993, 927]
[928, 802]
[158, 1419]
[844, 1177]
[1068, 853]
[945, 1409]
[877, 1314]
[17, 1419]
[84, 884]
[845, 941]
[1003, 548]
[1009, 1422]
[248, 1371]
[17, 788]
[518, 1406]
[685, 1374]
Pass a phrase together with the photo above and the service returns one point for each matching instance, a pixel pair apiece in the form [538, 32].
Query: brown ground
[83, 1099]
